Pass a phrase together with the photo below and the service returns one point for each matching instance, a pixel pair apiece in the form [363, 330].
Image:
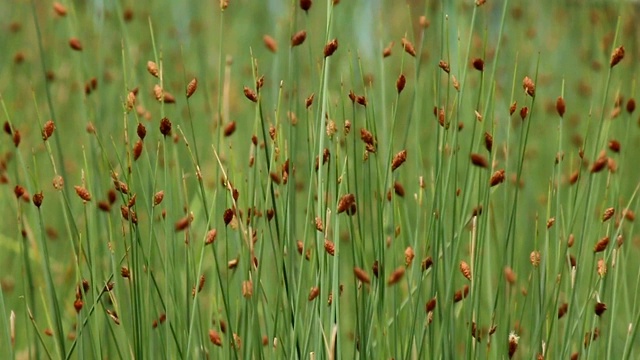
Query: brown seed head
[461, 294]
[298, 38]
[165, 126]
[424, 22]
[465, 269]
[431, 304]
[215, 338]
[601, 267]
[409, 254]
[125, 272]
[192, 87]
[408, 47]
[386, 52]
[183, 223]
[529, 86]
[137, 149]
[444, 66]
[313, 293]
[157, 197]
[496, 178]
[250, 94]
[608, 213]
[513, 344]
[426, 263]
[600, 162]
[329, 247]
[614, 145]
[361, 275]
[601, 245]
[562, 309]
[210, 237]
[345, 202]
[524, 112]
[398, 189]
[77, 304]
[306, 4]
[331, 47]
[560, 106]
[37, 199]
[75, 44]
[600, 308]
[227, 216]
[152, 68]
[83, 193]
[509, 275]
[47, 130]
[616, 56]
[398, 159]
[396, 276]
[479, 160]
[270, 43]
[478, 64]
[534, 257]
[512, 108]
[631, 105]
[59, 9]
[400, 83]
[229, 129]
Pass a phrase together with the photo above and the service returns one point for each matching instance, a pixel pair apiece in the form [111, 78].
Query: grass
[178, 185]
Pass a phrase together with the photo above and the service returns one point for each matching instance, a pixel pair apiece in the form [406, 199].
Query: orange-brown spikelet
[386, 52]
[398, 159]
[298, 38]
[529, 86]
[614, 145]
[408, 47]
[215, 338]
[600, 162]
[270, 43]
[562, 310]
[211, 236]
[47, 130]
[631, 105]
[513, 344]
[37, 199]
[512, 108]
[396, 276]
[152, 68]
[601, 245]
[345, 202]
[330, 247]
[361, 275]
[444, 66]
[431, 304]
[479, 160]
[75, 44]
[250, 94]
[608, 213]
[400, 83]
[465, 269]
[461, 294]
[560, 106]
[59, 9]
[165, 126]
[309, 101]
[331, 47]
[137, 149]
[496, 178]
[83, 193]
[229, 129]
[192, 87]
[313, 293]
[157, 197]
[616, 56]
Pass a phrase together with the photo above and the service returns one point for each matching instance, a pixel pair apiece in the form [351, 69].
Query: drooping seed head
[386, 52]
[444, 66]
[396, 276]
[298, 38]
[398, 160]
[330, 47]
[408, 47]
[59, 9]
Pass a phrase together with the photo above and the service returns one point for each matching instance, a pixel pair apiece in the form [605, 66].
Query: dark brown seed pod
[298, 38]
[608, 214]
[408, 47]
[396, 276]
[361, 275]
[157, 197]
[47, 130]
[479, 160]
[137, 149]
[250, 94]
[210, 237]
[183, 223]
[488, 141]
[600, 308]
[309, 100]
[398, 159]
[128, 214]
[562, 310]
[616, 56]
[478, 64]
[513, 344]
[496, 178]
[59, 9]
[560, 106]
[601, 245]
[227, 216]
[83, 193]
[18, 191]
[375, 268]
[398, 189]
[75, 44]
[230, 128]
[306, 5]
[600, 163]
[512, 108]
[215, 338]
[270, 43]
[631, 105]
[125, 272]
[141, 131]
[313, 293]
[614, 145]
[37, 199]
[431, 304]
[192, 87]
[331, 47]
[330, 247]
[524, 112]
[426, 263]
[461, 294]
[573, 178]
[400, 83]
[165, 127]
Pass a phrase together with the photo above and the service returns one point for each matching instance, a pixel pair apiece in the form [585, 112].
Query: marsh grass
[310, 179]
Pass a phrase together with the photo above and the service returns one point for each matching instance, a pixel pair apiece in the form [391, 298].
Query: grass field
[319, 179]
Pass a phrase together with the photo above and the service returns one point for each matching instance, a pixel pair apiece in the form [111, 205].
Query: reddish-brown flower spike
[496, 178]
[524, 112]
[227, 216]
[479, 160]
[617, 55]
[137, 150]
[600, 308]
[398, 189]
[331, 47]
[562, 310]
[361, 275]
[306, 5]
[211, 236]
[165, 126]
[608, 214]
[560, 106]
[431, 304]
[513, 344]
[59, 9]
[18, 191]
[270, 43]
[83, 193]
[37, 199]
[230, 128]
[461, 294]
[386, 52]
[478, 64]
[631, 105]
[183, 223]
[47, 130]
[529, 86]
[400, 83]
[75, 44]
[330, 247]
[192, 87]
[141, 131]
[465, 269]
[488, 141]
[512, 108]
[396, 276]
[250, 94]
[152, 68]
[408, 47]
[614, 145]
[215, 338]
[313, 293]
[444, 66]
[398, 159]
[309, 101]
[345, 202]
[600, 162]
[298, 38]
[601, 245]
[426, 263]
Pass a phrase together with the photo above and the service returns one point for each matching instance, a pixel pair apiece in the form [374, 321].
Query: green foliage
[190, 180]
